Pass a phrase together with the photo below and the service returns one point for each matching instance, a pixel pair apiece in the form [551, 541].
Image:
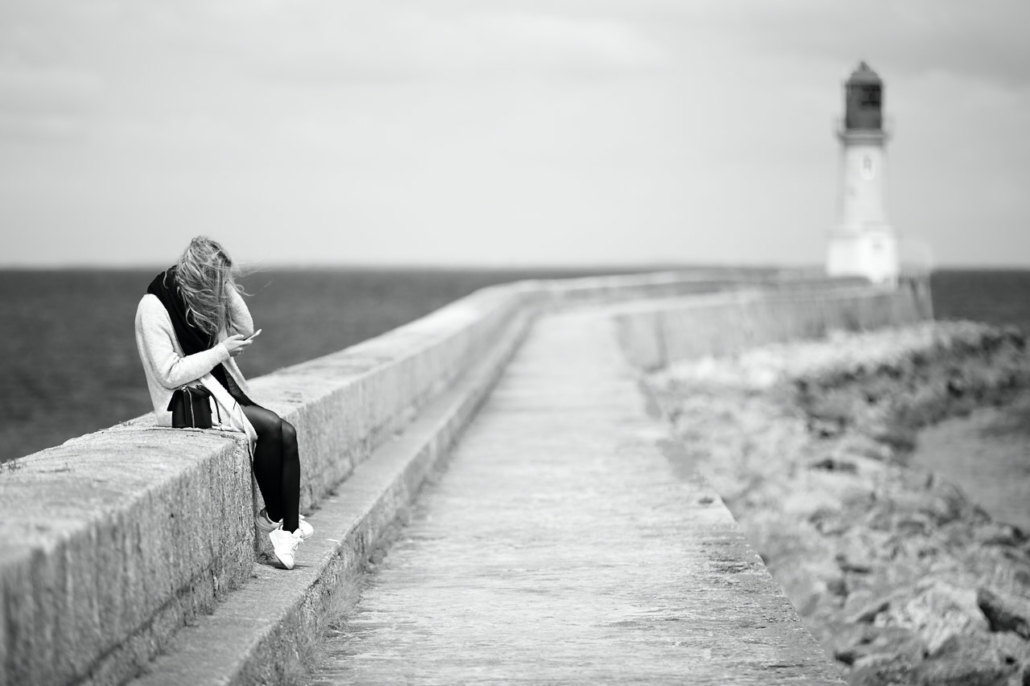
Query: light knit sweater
[167, 368]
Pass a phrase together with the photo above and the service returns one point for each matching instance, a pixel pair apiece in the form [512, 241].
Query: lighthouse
[863, 243]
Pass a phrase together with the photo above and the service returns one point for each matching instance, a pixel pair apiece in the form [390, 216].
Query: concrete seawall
[117, 539]
[657, 333]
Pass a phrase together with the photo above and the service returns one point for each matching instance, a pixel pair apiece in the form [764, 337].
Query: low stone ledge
[120, 537]
[656, 334]
[651, 287]
[260, 634]
[115, 537]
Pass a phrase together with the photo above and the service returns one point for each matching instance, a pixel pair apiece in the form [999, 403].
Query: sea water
[68, 359]
[69, 366]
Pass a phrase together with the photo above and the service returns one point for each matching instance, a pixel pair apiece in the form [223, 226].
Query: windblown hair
[205, 272]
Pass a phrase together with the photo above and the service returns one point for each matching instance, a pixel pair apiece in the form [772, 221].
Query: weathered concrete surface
[259, 633]
[658, 333]
[115, 540]
[563, 546]
[100, 565]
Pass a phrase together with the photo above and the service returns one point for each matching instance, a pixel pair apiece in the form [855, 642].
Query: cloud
[45, 93]
[345, 42]
[46, 103]
[981, 41]
[629, 126]
[48, 89]
[42, 128]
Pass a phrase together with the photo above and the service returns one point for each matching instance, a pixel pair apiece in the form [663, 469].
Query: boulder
[882, 669]
[834, 464]
[999, 568]
[961, 673]
[936, 611]
[998, 533]
[860, 551]
[864, 446]
[807, 581]
[975, 658]
[1005, 612]
[863, 606]
[808, 444]
[853, 643]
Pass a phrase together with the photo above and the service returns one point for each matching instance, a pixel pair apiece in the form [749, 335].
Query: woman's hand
[236, 344]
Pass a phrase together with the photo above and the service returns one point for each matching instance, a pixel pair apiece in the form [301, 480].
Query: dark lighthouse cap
[864, 76]
[863, 100]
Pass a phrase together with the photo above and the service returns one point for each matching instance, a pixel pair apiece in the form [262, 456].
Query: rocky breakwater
[900, 577]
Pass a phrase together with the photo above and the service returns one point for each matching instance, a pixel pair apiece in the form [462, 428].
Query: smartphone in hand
[253, 335]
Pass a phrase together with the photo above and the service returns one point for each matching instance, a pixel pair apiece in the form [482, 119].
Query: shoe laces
[297, 539]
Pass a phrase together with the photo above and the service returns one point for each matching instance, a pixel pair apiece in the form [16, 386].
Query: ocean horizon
[69, 365]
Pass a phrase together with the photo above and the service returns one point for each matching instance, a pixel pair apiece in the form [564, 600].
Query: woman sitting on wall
[190, 326]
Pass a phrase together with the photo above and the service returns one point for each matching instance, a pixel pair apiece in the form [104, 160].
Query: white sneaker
[264, 523]
[284, 545]
[267, 525]
[304, 529]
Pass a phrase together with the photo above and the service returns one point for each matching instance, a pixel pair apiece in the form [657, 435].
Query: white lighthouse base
[871, 254]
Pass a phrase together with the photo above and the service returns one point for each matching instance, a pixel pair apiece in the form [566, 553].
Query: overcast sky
[501, 131]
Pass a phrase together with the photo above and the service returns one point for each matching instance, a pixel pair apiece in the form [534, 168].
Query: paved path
[567, 543]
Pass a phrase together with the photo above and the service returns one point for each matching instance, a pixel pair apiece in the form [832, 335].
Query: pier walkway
[568, 541]
[559, 535]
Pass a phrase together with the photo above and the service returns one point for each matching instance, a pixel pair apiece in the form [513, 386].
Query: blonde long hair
[205, 273]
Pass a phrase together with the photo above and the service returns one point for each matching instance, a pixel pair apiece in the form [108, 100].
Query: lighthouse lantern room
[863, 242]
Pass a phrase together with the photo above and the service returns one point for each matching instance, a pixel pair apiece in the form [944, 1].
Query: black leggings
[276, 465]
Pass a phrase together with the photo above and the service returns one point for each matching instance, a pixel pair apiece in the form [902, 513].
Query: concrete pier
[131, 553]
[568, 543]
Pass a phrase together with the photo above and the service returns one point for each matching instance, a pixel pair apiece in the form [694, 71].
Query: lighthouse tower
[863, 243]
